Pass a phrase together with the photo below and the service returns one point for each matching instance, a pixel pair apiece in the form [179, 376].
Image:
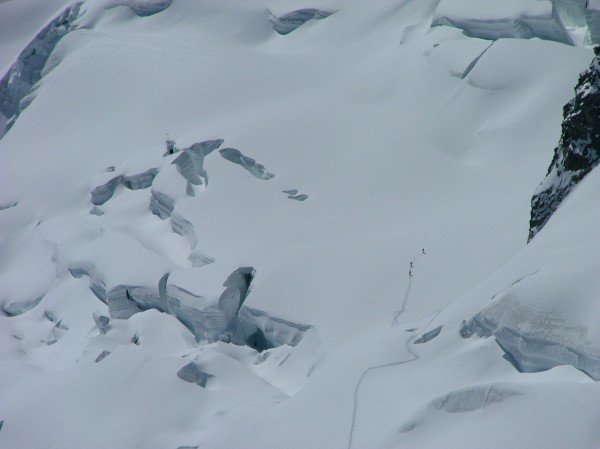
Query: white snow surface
[417, 147]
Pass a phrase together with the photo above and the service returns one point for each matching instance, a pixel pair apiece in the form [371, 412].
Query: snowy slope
[333, 155]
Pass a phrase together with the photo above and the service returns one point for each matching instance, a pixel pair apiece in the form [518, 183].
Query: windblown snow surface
[174, 295]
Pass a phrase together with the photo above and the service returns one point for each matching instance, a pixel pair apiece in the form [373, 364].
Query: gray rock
[578, 150]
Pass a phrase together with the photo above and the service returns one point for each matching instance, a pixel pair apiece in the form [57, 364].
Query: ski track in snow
[407, 344]
[408, 287]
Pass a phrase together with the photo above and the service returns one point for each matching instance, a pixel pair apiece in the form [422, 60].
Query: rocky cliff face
[578, 150]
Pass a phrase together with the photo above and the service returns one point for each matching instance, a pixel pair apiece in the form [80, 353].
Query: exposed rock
[578, 150]
[185, 228]
[263, 331]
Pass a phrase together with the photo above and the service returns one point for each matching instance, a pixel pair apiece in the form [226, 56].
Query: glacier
[265, 224]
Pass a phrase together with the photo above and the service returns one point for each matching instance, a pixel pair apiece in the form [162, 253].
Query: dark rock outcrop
[578, 150]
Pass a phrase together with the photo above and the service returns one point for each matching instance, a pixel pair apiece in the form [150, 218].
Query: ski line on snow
[414, 357]
[407, 343]
[408, 287]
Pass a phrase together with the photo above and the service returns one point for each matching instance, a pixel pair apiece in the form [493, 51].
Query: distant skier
[423, 250]
[409, 273]
[171, 146]
[411, 265]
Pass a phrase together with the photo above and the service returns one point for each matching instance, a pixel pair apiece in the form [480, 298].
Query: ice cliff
[16, 87]
[535, 340]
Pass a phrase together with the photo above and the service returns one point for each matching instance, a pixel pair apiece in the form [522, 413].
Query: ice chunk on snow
[256, 169]
[103, 193]
[143, 8]
[287, 23]
[102, 322]
[18, 308]
[190, 163]
[273, 331]
[428, 336]
[470, 399]
[161, 204]
[8, 205]
[193, 373]
[102, 356]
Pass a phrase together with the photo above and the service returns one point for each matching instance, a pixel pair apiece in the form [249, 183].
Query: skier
[409, 273]
[423, 250]
[411, 265]
[171, 146]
